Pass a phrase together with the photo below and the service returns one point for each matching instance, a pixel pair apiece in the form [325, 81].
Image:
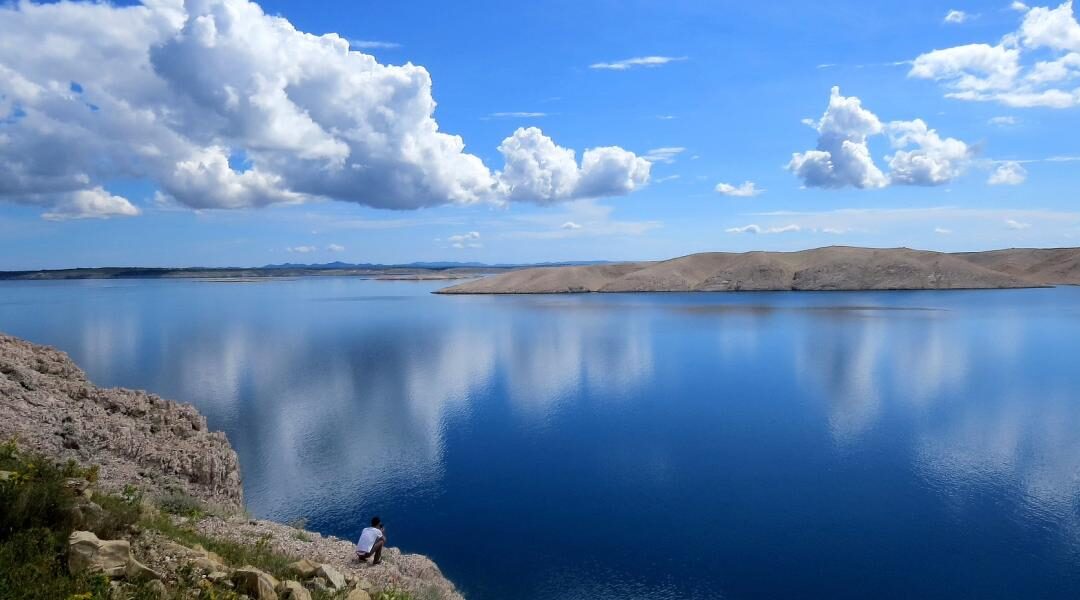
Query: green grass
[258, 555]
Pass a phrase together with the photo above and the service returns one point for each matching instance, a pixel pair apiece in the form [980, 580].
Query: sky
[233, 133]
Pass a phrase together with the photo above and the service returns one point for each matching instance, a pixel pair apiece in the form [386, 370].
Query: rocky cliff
[165, 449]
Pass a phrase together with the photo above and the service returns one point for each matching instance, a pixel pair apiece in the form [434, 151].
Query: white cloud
[570, 225]
[747, 190]
[756, 229]
[1014, 71]
[956, 17]
[537, 170]
[843, 157]
[1018, 6]
[95, 203]
[641, 61]
[667, 178]
[1008, 173]
[373, 44]
[465, 240]
[663, 155]
[181, 94]
[942, 231]
[1016, 225]
[335, 248]
[302, 249]
[933, 161]
[1005, 121]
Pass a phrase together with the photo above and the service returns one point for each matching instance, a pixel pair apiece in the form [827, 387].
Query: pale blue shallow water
[756, 445]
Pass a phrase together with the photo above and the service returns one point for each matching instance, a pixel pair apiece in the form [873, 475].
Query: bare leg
[377, 551]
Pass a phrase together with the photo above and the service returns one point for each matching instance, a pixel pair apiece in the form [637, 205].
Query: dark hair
[376, 521]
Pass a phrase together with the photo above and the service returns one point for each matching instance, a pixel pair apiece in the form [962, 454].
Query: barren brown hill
[1051, 266]
[832, 268]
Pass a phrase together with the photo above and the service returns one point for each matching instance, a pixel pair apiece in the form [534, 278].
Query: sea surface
[664, 446]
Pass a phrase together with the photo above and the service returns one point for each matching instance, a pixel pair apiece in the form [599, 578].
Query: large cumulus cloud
[224, 106]
[842, 157]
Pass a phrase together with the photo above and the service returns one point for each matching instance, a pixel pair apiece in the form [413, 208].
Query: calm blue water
[756, 445]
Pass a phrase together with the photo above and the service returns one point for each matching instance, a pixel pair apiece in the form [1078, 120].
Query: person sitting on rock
[371, 542]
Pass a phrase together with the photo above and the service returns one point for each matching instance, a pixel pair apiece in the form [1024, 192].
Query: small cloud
[668, 178]
[942, 231]
[95, 203]
[1018, 6]
[1016, 225]
[665, 117]
[834, 231]
[641, 61]
[335, 248]
[373, 44]
[302, 249]
[747, 190]
[756, 229]
[663, 155]
[826, 65]
[1003, 121]
[956, 17]
[570, 225]
[1008, 173]
[516, 115]
[465, 240]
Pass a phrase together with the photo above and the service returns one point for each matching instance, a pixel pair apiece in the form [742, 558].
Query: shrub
[32, 567]
[121, 512]
[181, 504]
[35, 497]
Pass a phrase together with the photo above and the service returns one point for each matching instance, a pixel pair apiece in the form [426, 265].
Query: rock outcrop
[110, 557]
[137, 438]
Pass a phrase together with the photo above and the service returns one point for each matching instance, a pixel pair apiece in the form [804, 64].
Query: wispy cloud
[756, 229]
[302, 249]
[335, 248]
[956, 17]
[1016, 225]
[663, 155]
[640, 61]
[570, 225]
[373, 44]
[516, 115]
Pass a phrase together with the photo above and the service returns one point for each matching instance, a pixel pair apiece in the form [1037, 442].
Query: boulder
[333, 577]
[136, 571]
[87, 553]
[217, 576]
[255, 583]
[292, 590]
[358, 594]
[304, 569]
[87, 515]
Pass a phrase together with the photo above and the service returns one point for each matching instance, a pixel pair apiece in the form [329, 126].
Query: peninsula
[831, 268]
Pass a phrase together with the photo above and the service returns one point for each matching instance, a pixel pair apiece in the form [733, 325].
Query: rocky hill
[161, 450]
[832, 268]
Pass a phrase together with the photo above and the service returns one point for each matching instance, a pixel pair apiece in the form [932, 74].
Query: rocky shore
[137, 442]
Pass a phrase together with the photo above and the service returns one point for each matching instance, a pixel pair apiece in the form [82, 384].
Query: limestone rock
[333, 577]
[87, 553]
[358, 594]
[157, 589]
[255, 583]
[136, 438]
[304, 569]
[292, 590]
[136, 571]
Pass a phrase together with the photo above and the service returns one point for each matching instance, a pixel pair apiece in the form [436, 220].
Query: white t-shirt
[368, 537]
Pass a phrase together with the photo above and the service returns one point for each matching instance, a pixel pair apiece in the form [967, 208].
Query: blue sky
[734, 91]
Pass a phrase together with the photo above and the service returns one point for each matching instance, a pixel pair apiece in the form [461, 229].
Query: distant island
[410, 271]
[831, 268]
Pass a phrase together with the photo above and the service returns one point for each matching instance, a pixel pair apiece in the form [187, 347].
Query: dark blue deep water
[755, 445]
